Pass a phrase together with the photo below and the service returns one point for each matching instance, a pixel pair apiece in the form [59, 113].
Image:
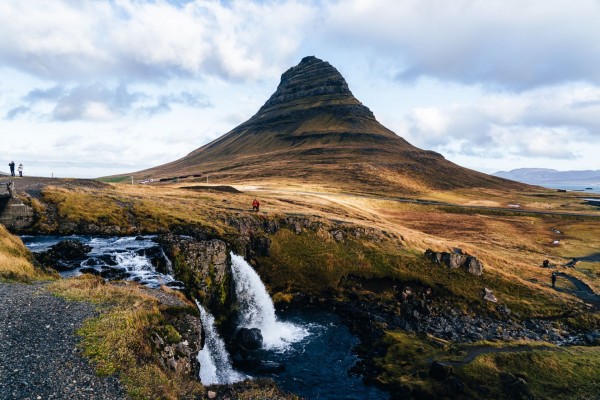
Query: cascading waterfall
[257, 310]
[215, 365]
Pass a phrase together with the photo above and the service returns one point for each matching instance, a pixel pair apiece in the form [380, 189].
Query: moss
[170, 334]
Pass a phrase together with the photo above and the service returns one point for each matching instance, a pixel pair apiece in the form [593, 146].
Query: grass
[550, 373]
[16, 262]
[118, 340]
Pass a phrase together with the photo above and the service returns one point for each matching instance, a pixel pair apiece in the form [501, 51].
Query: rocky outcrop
[456, 260]
[204, 268]
[178, 342]
[64, 256]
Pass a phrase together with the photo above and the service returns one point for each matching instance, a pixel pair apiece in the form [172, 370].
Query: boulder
[440, 371]
[249, 339]
[456, 259]
[65, 255]
[488, 295]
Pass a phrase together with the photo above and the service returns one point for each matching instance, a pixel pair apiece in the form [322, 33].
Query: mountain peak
[313, 130]
[311, 83]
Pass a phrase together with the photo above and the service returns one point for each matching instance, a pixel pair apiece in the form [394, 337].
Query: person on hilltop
[554, 279]
[255, 205]
[12, 168]
[20, 169]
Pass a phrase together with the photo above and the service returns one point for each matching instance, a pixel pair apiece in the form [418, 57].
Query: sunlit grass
[16, 262]
[117, 341]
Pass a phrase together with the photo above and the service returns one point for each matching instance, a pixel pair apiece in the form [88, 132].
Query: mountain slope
[313, 130]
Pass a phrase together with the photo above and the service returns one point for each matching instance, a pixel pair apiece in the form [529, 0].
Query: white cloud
[543, 123]
[511, 44]
[127, 39]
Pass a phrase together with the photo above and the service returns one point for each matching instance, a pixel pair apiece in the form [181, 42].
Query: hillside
[313, 130]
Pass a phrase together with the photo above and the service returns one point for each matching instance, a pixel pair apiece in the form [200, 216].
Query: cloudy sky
[92, 88]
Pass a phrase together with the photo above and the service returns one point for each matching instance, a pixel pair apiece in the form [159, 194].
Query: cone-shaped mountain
[313, 130]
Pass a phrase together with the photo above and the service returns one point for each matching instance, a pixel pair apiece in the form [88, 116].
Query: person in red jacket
[255, 205]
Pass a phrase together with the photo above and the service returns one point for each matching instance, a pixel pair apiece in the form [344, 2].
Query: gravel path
[39, 358]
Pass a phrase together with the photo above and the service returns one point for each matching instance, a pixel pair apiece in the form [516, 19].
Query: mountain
[545, 176]
[313, 130]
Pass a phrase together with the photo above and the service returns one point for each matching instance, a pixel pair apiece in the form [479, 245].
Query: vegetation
[548, 372]
[16, 262]
[118, 340]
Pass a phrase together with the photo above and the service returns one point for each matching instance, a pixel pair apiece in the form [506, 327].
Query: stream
[315, 346]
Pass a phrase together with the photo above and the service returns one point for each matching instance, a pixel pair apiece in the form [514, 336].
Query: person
[20, 169]
[554, 279]
[12, 168]
[255, 205]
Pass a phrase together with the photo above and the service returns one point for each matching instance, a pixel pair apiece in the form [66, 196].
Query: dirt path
[582, 290]
[39, 358]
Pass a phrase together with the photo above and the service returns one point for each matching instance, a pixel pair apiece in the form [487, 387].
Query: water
[315, 346]
[257, 310]
[115, 258]
[215, 364]
[574, 188]
[317, 367]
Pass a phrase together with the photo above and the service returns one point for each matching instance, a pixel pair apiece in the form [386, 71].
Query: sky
[95, 88]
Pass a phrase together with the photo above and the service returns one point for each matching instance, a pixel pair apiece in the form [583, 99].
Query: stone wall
[14, 214]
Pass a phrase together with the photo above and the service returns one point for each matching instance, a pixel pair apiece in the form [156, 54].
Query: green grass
[115, 179]
[555, 373]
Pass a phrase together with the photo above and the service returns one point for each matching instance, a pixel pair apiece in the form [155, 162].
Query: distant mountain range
[546, 176]
[313, 130]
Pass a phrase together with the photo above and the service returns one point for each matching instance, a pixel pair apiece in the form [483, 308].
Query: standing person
[20, 169]
[12, 168]
[554, 279]
[255, 205]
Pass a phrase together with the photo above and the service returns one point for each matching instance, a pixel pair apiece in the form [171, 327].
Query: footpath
[39, 357]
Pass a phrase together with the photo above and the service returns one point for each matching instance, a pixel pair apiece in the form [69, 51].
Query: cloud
[62, 40]
[509, 44]
[543, 123]
[102, 102]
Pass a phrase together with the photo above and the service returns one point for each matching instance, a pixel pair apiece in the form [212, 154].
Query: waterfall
[257, 310]
[215, 365]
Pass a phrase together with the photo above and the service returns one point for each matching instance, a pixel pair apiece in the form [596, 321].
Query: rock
[114, 273]
[211, 394]
[178, 343]
[488, 295]
[204, 268]
[249, 339]
[260, 246]
[516, 387]
[65, 255]
[456, 259]
[439, 371]
[157, 258]
[474, 266]
[89, 270]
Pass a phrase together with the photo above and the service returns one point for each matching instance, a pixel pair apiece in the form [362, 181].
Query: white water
[215, 365]
[257, 310]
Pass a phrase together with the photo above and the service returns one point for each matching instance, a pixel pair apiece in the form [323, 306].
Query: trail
[582, 291]
[39, 357]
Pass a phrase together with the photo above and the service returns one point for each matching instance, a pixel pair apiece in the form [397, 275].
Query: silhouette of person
[12, 168]
[554, 279]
